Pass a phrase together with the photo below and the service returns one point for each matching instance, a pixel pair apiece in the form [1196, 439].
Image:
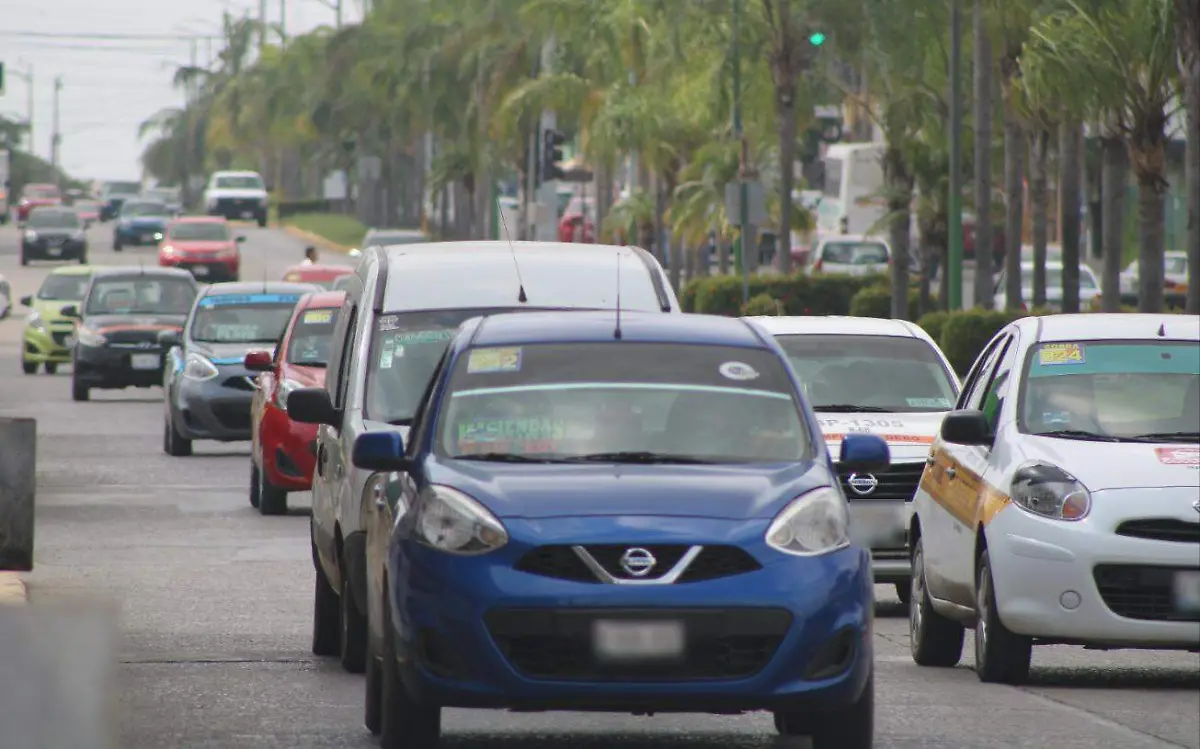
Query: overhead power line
[110, 37]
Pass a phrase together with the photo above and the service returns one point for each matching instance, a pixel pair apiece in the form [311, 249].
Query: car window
[889, 372]
[977, 378]
[64, 287]
[350, 343]
[1115, 389]
[980, 392]
[140, 295]
[855, 253]
[311, 337]
[391, 238]
[242, 318]
[200, 231]
[998, 388]
[132, 209]
[240, 182]
[1176, 266]
[53, 220]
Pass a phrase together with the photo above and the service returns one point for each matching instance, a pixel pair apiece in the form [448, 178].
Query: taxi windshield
[242, 318]
[54, 220]
[622, 403]
[309, 342]
[66, 287]
[870, 373]
[1113, 390]
[140, 295]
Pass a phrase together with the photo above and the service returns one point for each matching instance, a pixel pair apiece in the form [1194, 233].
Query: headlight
[198, 368]
[451, 521]
[814, 523]
[158, 236]
[1050, 491]
[31, 235]
[89, 337]
[168, 249]
[35, 321]
[285, 389]
[78, 235]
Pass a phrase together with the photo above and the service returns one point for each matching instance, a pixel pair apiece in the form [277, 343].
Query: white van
[853, 201]
[403, 304]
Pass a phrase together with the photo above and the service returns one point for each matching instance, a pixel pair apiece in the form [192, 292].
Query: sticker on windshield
[1052, 354]
[928, 402]
[531, 435]
[386, 354]
[1178, 456]
[233, 333]
[292, 277]
[424, 336]
[490, 360]
[388, 322]
[318, 316]
[736, 370]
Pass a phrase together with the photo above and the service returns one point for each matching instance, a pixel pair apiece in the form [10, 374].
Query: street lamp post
[954, 262]
[743, 191]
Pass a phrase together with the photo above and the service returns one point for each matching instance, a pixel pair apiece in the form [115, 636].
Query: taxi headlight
[450, 521]
[35, 321]
[31, 235]
[199, 368]
[285, 389]
[1050, 491]
[89, 337]
[814, 523]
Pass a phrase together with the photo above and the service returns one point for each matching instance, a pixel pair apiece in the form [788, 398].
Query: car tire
[851, 727]
[1001, 657]
[83, 259]
[271, 499]
[373, 692]
[174, 443]
[262, 220]
[51, 367]
[117, 245]
[79, 391]
[904, 592]
[353, 633]
[933, 639]
[407, 723]
[29, 367]
[24, 260]
[327, 626]
[254, 497]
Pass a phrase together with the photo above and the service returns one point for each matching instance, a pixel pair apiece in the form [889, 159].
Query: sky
[110, 86]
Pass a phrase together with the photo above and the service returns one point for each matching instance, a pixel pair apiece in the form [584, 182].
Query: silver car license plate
[54, 251]
[200, 270]
[144, 361]
[637, 640]
[1187, 592]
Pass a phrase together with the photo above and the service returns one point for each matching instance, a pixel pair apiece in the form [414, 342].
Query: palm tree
[1187, 14]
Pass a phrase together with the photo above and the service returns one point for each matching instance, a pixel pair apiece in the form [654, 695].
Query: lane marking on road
[12, 589]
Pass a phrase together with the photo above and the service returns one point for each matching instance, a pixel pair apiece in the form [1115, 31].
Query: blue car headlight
[817, 522]
[450, 521]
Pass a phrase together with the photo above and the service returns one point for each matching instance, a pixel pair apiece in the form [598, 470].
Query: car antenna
[264, 279]
[1162, 330]
[513, 251]
[617, 330]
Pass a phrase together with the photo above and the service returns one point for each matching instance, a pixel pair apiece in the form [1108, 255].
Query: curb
[12, 589]
[314, 239]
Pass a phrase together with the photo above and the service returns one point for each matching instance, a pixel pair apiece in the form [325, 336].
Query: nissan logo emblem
[1196, 505]
[638, 562]
[862, 485]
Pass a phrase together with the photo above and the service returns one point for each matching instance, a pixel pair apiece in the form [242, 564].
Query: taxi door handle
[951, 473]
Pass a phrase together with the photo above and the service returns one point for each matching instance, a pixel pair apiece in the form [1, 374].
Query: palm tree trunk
[984, 245]
[1039, 189]
[1114, 176]
[672, 245]
[1188, 28]
[785, 100]
[899, 179]
[1069, 178]
[1014, 200]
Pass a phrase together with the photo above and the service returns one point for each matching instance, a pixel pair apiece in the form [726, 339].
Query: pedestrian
[310, 255]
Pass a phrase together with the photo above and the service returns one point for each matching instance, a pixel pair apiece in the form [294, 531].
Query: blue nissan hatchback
[633, 514]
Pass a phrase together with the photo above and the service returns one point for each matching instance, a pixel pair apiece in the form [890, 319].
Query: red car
[321, 275]
[283, 452]
[202, 245]
[573, 226]
[36, 196]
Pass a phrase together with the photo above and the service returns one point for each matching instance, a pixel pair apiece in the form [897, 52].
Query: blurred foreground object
[18, 483]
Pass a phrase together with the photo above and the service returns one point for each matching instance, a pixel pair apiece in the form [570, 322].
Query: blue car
[633, 514]
[140, 222]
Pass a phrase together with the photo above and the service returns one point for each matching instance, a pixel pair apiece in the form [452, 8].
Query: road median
[332, 232]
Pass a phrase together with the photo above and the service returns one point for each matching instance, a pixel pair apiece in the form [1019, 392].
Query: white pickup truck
[236, 195]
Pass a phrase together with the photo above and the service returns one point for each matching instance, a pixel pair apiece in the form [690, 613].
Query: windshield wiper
[847, 408]
[1170, 437]
[407, 422]
[1081, 434]
[500, 458]
[635, 457]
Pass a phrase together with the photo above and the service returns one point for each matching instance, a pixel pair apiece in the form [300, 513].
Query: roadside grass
[335, 227]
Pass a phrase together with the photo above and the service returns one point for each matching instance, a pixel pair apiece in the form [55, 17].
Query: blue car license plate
[637, 640]
[1187, 592]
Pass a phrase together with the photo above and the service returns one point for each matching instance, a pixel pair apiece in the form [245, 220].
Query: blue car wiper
[636, 457]
[501, 458]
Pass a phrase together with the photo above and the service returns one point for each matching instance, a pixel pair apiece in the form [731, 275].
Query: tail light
[1169, 284]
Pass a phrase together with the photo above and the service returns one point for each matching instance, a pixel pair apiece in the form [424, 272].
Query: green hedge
[762, 304]
[800, 294]
[876, 301]
[965, 333]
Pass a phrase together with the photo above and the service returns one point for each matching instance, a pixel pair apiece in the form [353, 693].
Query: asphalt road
[216, 604]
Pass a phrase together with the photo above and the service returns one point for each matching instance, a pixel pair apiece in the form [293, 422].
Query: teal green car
[47, 332]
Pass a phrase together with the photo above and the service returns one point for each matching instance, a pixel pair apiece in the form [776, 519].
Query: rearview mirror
[967, 428]
[313, 406]
[241, 238]
[864, 453]
[26, 301]
[69, 310]
[379, 451]
[258, 361]
[169, 338]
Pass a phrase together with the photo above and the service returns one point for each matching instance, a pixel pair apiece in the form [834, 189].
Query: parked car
[1175, 279]
[850, 255]
[203, 246]
[1089, 286]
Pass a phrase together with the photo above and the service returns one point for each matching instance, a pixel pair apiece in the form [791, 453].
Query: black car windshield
[242, 318]
[622, 402]
[249, 182]
[1113, 390]
[66, 287]
[139, 208]
[200, 231]
[311, 335]
[140, 295]
[53, 220]
[880, 373]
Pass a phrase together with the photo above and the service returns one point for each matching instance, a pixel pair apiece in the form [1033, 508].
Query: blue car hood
[546, 491]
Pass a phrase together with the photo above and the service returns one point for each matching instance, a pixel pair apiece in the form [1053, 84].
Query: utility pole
[27, 76]
[339, 14]
[953, 268]
[742, 248]
[56, 136]
[283, 22]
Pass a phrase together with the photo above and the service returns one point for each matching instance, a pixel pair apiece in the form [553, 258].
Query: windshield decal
[891, 439]
[318, 316]
[1179, 456]
[619, 386]
[929, 402]
[221, 300]
[423, 336]
[530, 435]
[388, 322]
[736, 370]
[235, 333]
[1052, 354]
[490, 360]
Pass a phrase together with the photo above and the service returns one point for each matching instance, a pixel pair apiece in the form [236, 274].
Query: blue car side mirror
[864, 453]
[380, 451]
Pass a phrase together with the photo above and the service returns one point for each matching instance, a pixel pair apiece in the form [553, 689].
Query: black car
[206, 386]
[53, 234]
[121, 317]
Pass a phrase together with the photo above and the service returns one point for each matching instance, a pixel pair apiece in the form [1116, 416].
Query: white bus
[853, 201]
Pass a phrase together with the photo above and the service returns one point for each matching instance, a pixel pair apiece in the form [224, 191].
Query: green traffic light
[816, 39]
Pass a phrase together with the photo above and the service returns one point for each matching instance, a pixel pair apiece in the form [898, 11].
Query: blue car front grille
[557, 644]
[563, 562]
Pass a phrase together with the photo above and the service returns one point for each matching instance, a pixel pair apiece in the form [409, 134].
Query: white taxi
[884, 377]
[1061, 501]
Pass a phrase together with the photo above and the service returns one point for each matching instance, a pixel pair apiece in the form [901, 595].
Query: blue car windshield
[136, 210]
[622, 402]
[242, 318]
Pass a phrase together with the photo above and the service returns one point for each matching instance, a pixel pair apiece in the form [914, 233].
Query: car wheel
[353, 629]
[173, 442]
[253, 484]
[326, 624]
[373, 692]
[79, 391]
[407, 723]
[1001, 657]
[904, 592]
[117, 245]
[933, 639]
[262, 221]
[24, 260]
[83, 259]
[271, 499]
[29, 367]
[51, 367]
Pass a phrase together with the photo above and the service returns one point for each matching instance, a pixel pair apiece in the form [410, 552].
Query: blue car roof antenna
[521, 297]
[617, 329]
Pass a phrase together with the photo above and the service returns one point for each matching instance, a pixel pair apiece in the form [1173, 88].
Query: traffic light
[552, 154]
[816, 38]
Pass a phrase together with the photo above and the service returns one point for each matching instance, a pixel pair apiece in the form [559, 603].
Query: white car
[1061, 501]
[5, 297]
[237, 195]
[851, 255]
[885, 377]
[1089, 286]
[1175, 275]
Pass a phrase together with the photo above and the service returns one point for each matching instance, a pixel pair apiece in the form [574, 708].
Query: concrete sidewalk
[12, 589]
